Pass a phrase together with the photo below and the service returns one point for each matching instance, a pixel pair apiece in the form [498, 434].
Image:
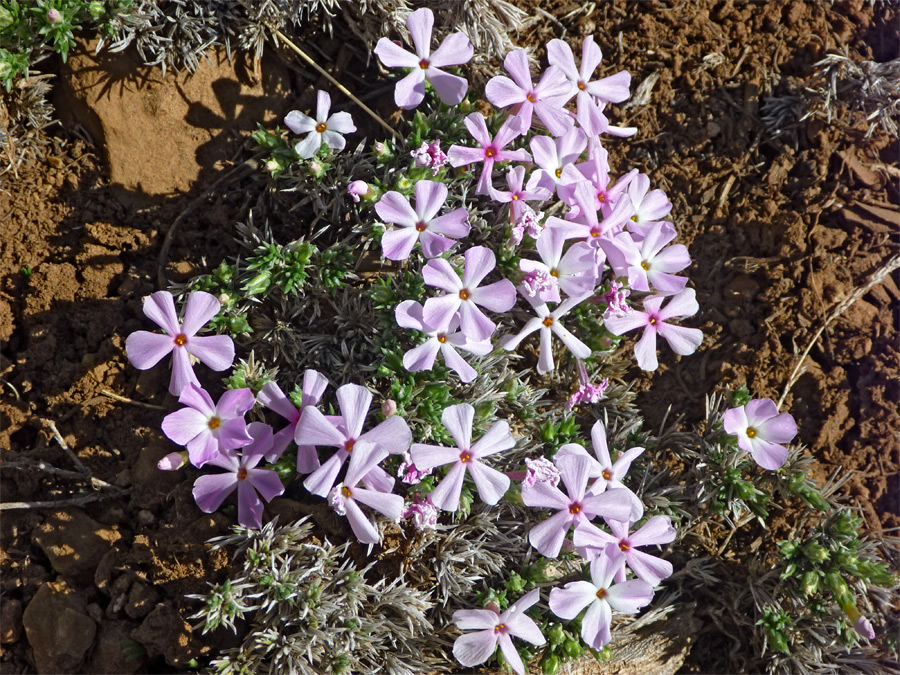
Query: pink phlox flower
[587, 225]
[465, 457]
[274, 399]
[445, 340]
[600, 595]
[604, 472]
[436, 234]
[649, 205]
[517, 195]
[549, 324]
[761, 431]
[241, 473]
[586, 392]
[611, 89]
[616, 299]
[575, 509]
[430, 154]
[392, 435]
[491, 627]
[529, 222]
[595, 170]
[205, 428]
[864, 628]
[656, 531]
[173, 461]
[344, 496]
[546, 100]
[572, 271]
[409, 473]
[145, 349]
[540, 470]
[465, 296]
[654, 319]
[455, 50]
[491, 149]
[553, 155]
[423, 513]
[652, 263]
[322, 128]
[359, 189]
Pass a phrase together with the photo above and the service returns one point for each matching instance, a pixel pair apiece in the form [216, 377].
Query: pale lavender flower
[206, 428]
[211, 490]
[649, 264]
[575, 509]
[649, 205]
[322, 128]
[445, 340]
[553, 155]
[572, 271]
[430, 154]
[586, 392]
[656, 531]
[517, 195]
[616, 299]
[344, 496]
[761, 430]
[595, 170]
[465, 457]
[436, 234]
[491, 149]
[423, 513]
[464, 295]
[540, 470]
[600, 596]
[409, 473]
[592, 119]
[145, 349]
[345, 432]
[653, 319]
[528, 222]
[455, 50]
[612, 89]
[549, 324]
[546, 100]
[274, 399]
[587, 225]
[491, 628]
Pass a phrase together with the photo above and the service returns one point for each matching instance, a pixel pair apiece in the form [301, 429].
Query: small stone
[116, 653]
[10, 621]
[74, 542]
[58, 630]
[146, 517]
[142, 598]
[165, 633]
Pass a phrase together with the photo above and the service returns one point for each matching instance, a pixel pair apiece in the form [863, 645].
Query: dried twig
[56, 503]
[890, 266]
[50, 424]
[131, 401]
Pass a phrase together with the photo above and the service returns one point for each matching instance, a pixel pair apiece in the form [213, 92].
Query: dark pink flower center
[575, 508]
[242, 474]
[581, 85]
[490, 151]
[548, 321]
[500, 628]
[420, 226]
[464, 294]
[348, 445]
[601, 197]
[653, 319]
[624, 546]
[424, 64]
[181, 339]
[601, 593]
[465, 456]
[531, 97]
[441, 338]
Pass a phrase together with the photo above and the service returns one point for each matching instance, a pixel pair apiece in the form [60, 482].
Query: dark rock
[10, 621]
[74, 542]
[58, 629]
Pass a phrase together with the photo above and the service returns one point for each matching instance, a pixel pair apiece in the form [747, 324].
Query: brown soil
[780, 229]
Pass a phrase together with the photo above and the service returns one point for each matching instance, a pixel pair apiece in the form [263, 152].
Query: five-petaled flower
[491, 628]
[323, 128]
[145, 349]
[761, 430]
[455, 50]
[491, 150]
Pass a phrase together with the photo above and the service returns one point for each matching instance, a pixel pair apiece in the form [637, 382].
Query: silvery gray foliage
[24, 113]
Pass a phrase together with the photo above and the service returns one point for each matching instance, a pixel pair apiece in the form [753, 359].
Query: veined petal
[398, 244]
[196, 397]
[473, 322]
[768, 455]
[334, 140]
[354, 401]
[451, 89]
[545, 357]
[446, 495]
[440, 274]
[454, 224]
[199, 310]
[648, 567]
[458, 421]
[779, 429]
[759, 410]
[393, 55]
[547, 536]
[420, 24]
[681, 339]
[645, 350]
[392, 434]
[233, 434]
[320, 481]
[323, 105]
[473, 619]
[477, 127]
[559, 54]
[595, 625]
[457, 363]
[590, 535]
[363, 458]
[510, 342]
[568, 601]
[309, 146]
[491, 484]
[341, 123]
[250, 507]
[459, 155]
[394, 208]
[315, 429]
[480, 260]
[511, 654]
[629, 596]
[299, 123]
[502, 92]
[499, 296]
[433, 244]
[235, 402]
[362, 527]
[421, 357]
[145, 349]
[184, 425]
[544, 495]
[440, 311]
[601, 448]
[410, 91]
[516, 64]
[455, 50]
[214, 351]
[684, 304]
[385, 503]
[475, 648]
[656, 531]
[182, 374]
[426, 456]
[524, 627]
[575, 469]
[613, 89]
[159, 307]
[409, 315]
[619, 325]
[210, 490]
[572, 343]
[497, 439]
[430, 197]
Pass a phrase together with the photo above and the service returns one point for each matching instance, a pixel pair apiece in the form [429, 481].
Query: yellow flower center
[442, 338]
[644, 265]
[624, 547]
[559, 172]
[554, 273]
[214, 423]
[751, 432]
[320, 127]
[465, 456]
[582, 86]
[531, 98]
[348, 446]
[601, 593]
[653, 321]
[515, 198]
[345, 491]
[181, 339]
[424, 64]
[489, 152]
[499, 627]
[606, 474]
[575, 508]
[464, 294]
[420, 226]
[548, 321]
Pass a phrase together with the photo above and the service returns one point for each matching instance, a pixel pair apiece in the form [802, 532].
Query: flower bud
[381, 150]
[272, 165]
[360, 189]
[96, 9]
[389, 407]
[173, 461]
[864, 627]
[404, 184]
[316, 169]
[815, 552]
[53, 16]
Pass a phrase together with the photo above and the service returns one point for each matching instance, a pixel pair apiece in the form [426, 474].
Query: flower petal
[299, 123]
[393, 435]
[648, 567]
[491, 484]
[547, 536]
[511, 654]
[266, 482]
[458, 364]
[446, 495]
[568, 601]
[503, 92]
[458, 421]
[393, 55]
[362, 527]
[159, 307]
[199, 310]
[398, 244]
[320, 481]
[394, 208]
[309, 146]
[499, 296]
[211, 490]
[184, 425]
[472, 619]
[354, 402]
[656, 531]
[595, 625]
[214, 351]
[779, 429]
[387, 504]
[182, 373]
[768, 455]
[645, 350]
[341, 123]
[451, 89]
[315, 429]
[250, 507]
[145, 349]
[472, 649]
[629, 596]
[440, 274]
[455, 50]
[421, 357]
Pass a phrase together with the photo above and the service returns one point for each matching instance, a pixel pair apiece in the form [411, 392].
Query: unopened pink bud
[53, 16]
[360, 189]
[864, 627]
[389, 407]
[173, 461]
